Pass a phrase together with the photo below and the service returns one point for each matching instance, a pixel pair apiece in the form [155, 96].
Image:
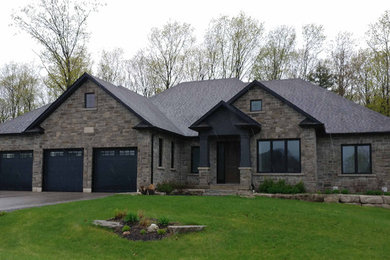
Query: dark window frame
[160, 151]
[85, 100]
[356, 164]
[172, 155]
[286, 153]
[254, 100]
[192, 158]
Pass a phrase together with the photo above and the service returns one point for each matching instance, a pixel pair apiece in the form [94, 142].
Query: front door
[228, 161]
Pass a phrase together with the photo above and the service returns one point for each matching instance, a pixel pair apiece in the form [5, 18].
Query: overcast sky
[126, 24]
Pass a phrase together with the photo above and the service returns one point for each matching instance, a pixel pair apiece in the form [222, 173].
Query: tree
[341, 55]
[232, 44]
[322, 75]
[274, 59]
[379, 42]
[60, 26]
[313, 40]
[111, 67]
[18, 90]
[168, 52]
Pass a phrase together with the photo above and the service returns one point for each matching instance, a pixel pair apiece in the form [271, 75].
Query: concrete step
[229, 187]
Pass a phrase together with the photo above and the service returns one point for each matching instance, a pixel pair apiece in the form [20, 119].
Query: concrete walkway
[12, 200]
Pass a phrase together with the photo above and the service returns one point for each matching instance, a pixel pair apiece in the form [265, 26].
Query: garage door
[115, 170]
[16, 170]
[63, 170]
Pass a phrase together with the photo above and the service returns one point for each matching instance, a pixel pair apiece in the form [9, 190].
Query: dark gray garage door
[63, 170]
[16, 170]
[115, 170]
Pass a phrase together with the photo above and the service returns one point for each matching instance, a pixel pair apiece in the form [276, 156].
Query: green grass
[238, 228]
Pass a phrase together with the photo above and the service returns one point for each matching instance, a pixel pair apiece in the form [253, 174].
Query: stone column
[87, 169]
[245, 151]
[204, 177]
[204, 160]
[37, 170]
[245, 178]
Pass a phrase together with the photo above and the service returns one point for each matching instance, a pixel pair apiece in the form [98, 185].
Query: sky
[127, 24]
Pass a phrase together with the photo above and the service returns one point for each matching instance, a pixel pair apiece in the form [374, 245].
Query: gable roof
[176, 109]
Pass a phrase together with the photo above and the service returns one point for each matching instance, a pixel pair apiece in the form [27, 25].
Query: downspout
[151, 161]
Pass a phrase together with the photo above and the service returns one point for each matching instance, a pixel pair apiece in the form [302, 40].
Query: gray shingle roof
[177, 108]
[338, 114]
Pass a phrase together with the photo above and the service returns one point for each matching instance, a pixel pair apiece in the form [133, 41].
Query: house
[104, 138]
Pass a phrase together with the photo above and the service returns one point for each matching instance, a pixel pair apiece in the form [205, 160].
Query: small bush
[344, 191]
[161, 232]
[120, 214]
[163, 221]
[141, 214]
[336, 191]
[3, 213]
[142, 232]
[125, 228]
[269, 186]
[168, 187]
[386, 193]
[131, 218]
[373, 192]
[328, 191]
[145, 222]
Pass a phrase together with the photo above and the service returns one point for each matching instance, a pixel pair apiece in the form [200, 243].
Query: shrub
[120, 214]
[161, 232]
[141, 214]
[328, 191]
[125, 228]
[163, 221]
[145, 222]
[168, 187]
[131, 218]
[386, 193]
[374, 192]
[344, 191]
[269, 186]
[142, 232]
[336, 191]
[3, 213]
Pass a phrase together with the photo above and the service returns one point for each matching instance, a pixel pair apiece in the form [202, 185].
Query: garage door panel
[115, 170]
[16, 170]
[63, 170]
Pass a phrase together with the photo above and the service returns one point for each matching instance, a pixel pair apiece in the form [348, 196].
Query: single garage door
[16, 170]
[63, 170]
[115, 170]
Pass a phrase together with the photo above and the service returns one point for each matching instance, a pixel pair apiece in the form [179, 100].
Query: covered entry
[115, 170]
[63, 170]
[16, 170]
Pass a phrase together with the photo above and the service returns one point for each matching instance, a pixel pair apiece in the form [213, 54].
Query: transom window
[279, 156]
[356, 159]
[90, 101]
[256, 105]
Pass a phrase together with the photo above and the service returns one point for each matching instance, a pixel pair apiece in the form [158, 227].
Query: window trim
[172, 155]
[192, 161]
[85, 100]
[160, 151]
[250, 105]
[356, 160]
[286, 157]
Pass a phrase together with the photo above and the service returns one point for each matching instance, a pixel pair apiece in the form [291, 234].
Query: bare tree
[60, 26]
[111, 66]
[274, 59]
[168, 52]
[232, 44]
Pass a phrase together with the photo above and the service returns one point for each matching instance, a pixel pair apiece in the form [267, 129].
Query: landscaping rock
[185, 229]
[152, 228]
[126, 233]
[364, 199]
[372, 205]
[386, 206]
[344, 198]
[386, 199]
[108, 224]
[332, 198]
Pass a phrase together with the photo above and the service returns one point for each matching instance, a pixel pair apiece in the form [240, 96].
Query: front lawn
[238, 228]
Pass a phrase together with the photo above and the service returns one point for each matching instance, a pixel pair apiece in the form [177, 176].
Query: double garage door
[114, 170]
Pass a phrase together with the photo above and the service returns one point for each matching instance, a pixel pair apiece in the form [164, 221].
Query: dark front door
[16, 170]
[228, 161]
[63, 170]
[115, 170]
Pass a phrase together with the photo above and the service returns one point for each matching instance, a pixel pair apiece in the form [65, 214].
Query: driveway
[12, 200]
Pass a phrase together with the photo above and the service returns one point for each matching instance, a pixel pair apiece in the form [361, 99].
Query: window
[172, 155]
[195, 153]
[160, 152]
[356, 159]
[279, 156]
[107, 153]
[256, 105]
[90, 101]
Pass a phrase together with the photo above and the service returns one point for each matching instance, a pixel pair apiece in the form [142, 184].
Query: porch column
[245, 162]
[204, 161]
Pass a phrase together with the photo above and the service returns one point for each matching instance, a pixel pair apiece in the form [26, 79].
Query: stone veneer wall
[65, 128]
[280, 121]
[329, 163]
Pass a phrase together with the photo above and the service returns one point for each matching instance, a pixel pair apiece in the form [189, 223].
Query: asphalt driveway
[12, 200]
